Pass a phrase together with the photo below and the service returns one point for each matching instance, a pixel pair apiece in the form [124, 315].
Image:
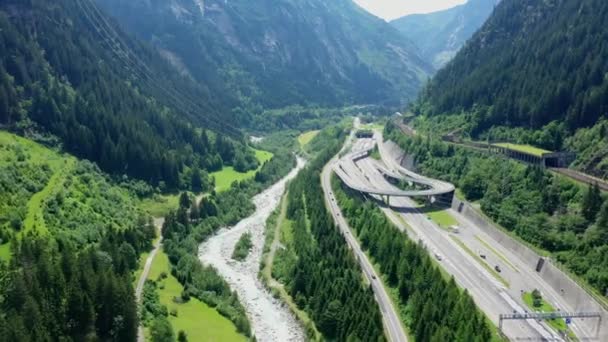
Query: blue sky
[391, 9]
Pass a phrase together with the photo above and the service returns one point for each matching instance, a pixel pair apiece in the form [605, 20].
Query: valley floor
[198, 320]
[271, 320]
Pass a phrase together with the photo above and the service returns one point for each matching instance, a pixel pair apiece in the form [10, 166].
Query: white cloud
[392, 9]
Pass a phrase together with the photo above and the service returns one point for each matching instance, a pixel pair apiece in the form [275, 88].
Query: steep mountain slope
[66, 70]
[533, 61]
[440, 35]
[536, 65]
[278, 53]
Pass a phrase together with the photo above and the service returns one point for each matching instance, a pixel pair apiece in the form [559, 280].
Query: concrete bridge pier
[386, 201]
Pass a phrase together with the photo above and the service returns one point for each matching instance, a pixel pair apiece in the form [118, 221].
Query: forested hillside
[533, 62]
[537, 66]
[439, 35]
[69, 241]
[279, 53]
[65, 74]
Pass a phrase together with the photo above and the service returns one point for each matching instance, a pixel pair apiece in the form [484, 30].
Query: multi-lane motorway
[462, 253]
[431, 187]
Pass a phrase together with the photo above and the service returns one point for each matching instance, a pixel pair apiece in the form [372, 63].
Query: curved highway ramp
[349, 172]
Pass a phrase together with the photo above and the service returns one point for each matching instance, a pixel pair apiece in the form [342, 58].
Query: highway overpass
[347, 166]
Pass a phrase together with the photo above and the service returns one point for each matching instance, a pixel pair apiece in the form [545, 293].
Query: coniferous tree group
[57, 77]
[52, 290]
[531, 63]
[326, 281]
[437, 309]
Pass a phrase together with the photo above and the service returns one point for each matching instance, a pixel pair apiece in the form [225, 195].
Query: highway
[459, 253]
[432, 187]
[519, 275]
[391, 319]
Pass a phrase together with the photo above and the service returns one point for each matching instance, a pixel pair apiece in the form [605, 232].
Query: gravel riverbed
[270, 318]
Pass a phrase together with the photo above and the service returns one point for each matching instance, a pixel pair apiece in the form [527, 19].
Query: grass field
[200, 322]
[306, 137]
[5, 251]
[37, 155]
[161, 205]
[524, 148]
[480, 261]
[440, 216]
[227, 176]
[373, 126]
[35, 215]
[559, 324]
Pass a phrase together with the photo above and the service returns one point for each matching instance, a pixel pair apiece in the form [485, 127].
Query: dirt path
[267, 271]
[34, 220]
[158, 223]
[271, 320]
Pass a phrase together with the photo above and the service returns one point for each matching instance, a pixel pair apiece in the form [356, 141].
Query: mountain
[532, 62]
[70, 77]
[539, 70]
[276, 53]
[439, 35]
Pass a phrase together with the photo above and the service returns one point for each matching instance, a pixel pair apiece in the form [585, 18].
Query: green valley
[303, 170]
[199, 321]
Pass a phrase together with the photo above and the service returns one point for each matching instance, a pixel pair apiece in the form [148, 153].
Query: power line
[141, 71]
[147, 74]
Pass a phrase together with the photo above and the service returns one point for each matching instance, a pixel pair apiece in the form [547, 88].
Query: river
[270, 318]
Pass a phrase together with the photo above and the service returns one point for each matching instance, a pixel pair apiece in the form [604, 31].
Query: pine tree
[182, 336]
[601, 225]
[184, 201]
[4, 106]
[196, 182]
[592, 202]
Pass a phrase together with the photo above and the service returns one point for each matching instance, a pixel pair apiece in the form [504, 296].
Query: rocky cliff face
[281, 52]
[439, 35]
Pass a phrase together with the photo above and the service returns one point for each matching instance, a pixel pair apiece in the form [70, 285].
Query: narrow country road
[391, 319]
[158, 223]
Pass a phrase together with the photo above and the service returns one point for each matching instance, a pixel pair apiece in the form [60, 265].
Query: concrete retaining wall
[576, 297]
[395, 152]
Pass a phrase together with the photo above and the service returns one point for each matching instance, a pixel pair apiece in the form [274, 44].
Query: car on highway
[483, 256]
[497, 268]
[438, 256]
[455, 229]
[373, 277]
